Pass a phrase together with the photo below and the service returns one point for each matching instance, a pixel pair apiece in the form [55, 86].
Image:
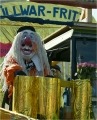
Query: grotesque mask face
[28, 45]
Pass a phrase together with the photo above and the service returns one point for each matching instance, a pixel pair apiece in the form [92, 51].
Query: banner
[51, 12]
[4, 48]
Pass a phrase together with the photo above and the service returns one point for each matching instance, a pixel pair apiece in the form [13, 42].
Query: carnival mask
[28, 45]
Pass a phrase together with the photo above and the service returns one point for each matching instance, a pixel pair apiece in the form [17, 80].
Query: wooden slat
[10, 115]
[78, 3]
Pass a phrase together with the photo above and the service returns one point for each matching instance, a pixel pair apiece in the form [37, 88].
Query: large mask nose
[27, 41]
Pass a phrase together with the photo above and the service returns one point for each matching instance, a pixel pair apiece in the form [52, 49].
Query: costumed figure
[56, 70]
[57, 73]
[27, 56]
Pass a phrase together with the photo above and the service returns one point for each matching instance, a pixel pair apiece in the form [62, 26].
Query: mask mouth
[27, 55]
[26, 51]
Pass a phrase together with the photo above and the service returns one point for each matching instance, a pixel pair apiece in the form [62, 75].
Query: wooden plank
[78, 3]
[10, 115]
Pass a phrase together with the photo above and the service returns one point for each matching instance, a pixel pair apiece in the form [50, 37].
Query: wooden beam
[78, 3]
[89, 15]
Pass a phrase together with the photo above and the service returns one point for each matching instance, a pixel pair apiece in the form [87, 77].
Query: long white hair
[15, 53]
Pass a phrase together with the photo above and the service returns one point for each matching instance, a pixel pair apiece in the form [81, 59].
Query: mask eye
[23, 45]
[25, 34]
[32, 37]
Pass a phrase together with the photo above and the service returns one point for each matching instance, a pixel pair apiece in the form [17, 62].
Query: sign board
[4, 48]
[37, 10]
[78, 3]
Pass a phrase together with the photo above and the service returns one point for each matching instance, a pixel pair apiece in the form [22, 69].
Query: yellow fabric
[36, 95]
[54, 62]
[82, 96]
[8, 29]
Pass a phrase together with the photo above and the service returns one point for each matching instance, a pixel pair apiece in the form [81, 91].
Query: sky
[94, 13]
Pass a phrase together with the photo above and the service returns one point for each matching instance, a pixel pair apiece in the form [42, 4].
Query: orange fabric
[34, 47]
[9, 74]
[10, 90]
[11, 60]
[33, 72]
